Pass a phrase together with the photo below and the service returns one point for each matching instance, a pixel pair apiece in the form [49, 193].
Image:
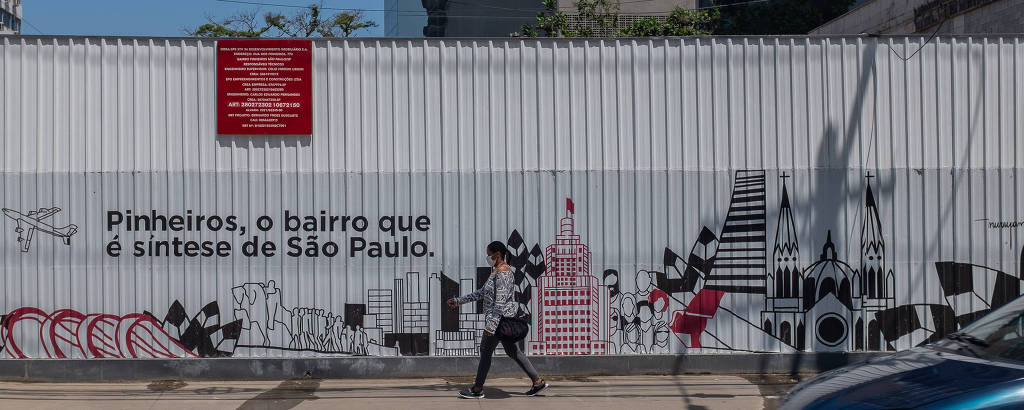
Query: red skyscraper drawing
[568, 297]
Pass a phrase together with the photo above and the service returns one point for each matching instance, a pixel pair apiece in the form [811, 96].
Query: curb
[118, 370]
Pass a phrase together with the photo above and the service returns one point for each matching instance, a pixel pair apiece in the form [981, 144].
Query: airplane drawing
[33, 221]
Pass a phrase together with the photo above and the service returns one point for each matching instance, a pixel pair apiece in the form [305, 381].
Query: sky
[157, 18]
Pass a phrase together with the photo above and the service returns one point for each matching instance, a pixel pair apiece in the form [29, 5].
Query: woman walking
[504, 323]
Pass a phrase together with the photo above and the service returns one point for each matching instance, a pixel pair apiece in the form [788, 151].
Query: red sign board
[265, 87]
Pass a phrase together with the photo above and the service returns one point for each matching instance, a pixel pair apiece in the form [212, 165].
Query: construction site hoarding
[694, 195]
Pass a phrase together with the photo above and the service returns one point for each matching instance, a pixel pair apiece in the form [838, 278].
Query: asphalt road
[592, 393]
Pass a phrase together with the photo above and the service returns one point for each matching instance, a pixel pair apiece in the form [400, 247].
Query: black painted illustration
[638, 317]
[740, 257]
[735, 290]
[460, 329]
[270, 324]
[30, 222]
[830, 305]
[203, 333]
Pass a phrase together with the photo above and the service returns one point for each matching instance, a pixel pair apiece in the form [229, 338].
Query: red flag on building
[569, 206]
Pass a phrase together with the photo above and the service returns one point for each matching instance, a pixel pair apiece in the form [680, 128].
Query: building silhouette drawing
[568, 297]
[460, 328]
[380, 306]
[830, 305]
[740, 260]
[784, 315]
[876, 283]
[409, 314]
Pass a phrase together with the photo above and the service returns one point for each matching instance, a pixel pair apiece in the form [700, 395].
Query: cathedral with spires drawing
[829, 305]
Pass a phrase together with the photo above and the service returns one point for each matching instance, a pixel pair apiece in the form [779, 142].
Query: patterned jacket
[494, 310]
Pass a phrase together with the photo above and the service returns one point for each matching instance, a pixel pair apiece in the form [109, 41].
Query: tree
[311, 22]
[680, 22]
[601, 18]
[351, 23]
[244, 24]
[593, 16]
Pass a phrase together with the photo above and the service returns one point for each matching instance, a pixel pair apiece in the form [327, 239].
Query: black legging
[487, 346]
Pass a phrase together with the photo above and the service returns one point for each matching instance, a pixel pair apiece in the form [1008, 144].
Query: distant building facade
[404, 18]
[478, 18]
[630, 11]
[504, 18]
[10, 16]
[898, 17]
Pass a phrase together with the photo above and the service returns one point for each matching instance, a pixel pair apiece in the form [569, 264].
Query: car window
[999, 334]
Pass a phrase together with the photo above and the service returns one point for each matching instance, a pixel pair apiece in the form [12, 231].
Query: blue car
[979, 367]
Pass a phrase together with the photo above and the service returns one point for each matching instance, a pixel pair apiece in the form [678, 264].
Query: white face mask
[491, 261]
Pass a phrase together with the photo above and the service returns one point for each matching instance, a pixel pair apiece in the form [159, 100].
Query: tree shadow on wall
[834, 153]
[833, 162]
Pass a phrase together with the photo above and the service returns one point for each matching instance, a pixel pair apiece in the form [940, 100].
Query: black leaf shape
[515, 240]
[176, 314]
[232, 330]
[526, 295]
[706, 236]
[211, 309]
[518, 261]
[670, 257]
[535, 271]
[193, 336]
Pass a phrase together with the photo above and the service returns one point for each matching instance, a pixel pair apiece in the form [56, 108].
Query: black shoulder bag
[511, 329]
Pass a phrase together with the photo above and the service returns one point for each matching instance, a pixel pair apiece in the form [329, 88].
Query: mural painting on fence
[809, 300]
[461, 328]
[68, 333]
[28, 223]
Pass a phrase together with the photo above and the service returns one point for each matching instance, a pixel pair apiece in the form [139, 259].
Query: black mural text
[311, 235]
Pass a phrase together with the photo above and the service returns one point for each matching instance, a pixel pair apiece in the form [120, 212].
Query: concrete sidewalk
[593, 393]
